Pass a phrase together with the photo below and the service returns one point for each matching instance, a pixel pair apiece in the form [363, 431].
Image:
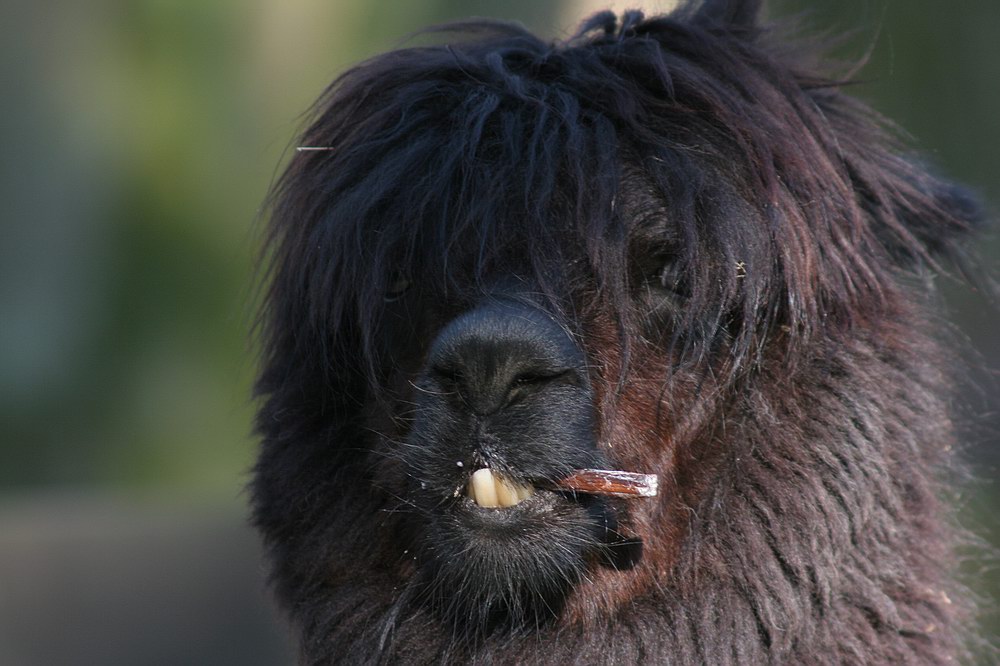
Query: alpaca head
[662, 246]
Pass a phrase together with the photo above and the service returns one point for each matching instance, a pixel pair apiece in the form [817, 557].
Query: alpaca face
[491, 399]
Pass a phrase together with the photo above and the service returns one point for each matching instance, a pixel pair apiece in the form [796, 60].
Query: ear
[734, 15]
[918, 218]
[927, 219]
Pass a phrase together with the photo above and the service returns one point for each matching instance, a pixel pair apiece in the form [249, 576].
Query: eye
[671, 280]
[662, 274]
[398, 286]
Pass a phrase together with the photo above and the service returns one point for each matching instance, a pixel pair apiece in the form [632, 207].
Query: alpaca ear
[735, 15]
[929, 219]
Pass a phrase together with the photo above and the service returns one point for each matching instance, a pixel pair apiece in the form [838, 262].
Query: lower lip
[540, 500]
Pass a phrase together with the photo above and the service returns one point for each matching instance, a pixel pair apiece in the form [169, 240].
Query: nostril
[535, 377]
[529, 382]
[526, 379]
[447, 374]
[452, 382]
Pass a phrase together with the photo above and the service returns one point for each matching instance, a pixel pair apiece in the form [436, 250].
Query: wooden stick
[610, 482]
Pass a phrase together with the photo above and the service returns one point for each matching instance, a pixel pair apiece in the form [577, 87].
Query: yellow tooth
[489, 490]
[506, 493]
[484, 489]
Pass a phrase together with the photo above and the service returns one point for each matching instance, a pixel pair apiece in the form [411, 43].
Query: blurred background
[138, 139]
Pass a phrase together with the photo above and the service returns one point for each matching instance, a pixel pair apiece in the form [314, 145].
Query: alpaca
[669, 245]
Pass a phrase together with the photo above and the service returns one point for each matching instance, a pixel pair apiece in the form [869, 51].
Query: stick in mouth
[609, 482]
[493, 491]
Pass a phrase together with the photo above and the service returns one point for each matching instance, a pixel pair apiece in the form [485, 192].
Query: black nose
[499, 353]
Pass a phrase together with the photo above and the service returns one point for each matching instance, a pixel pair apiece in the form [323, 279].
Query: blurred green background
[138, 139]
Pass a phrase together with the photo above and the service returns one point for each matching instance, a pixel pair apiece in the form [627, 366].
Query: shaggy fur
[668, 245]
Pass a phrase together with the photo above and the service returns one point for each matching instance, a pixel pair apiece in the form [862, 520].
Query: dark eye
[663, 275]
[670, 280]
[398, 286]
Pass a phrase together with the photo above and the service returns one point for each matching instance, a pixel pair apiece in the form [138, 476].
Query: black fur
[668, 245]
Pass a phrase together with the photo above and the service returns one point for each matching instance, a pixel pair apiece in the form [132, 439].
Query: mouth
[490, 490]
[504, 549]
[493, 491]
